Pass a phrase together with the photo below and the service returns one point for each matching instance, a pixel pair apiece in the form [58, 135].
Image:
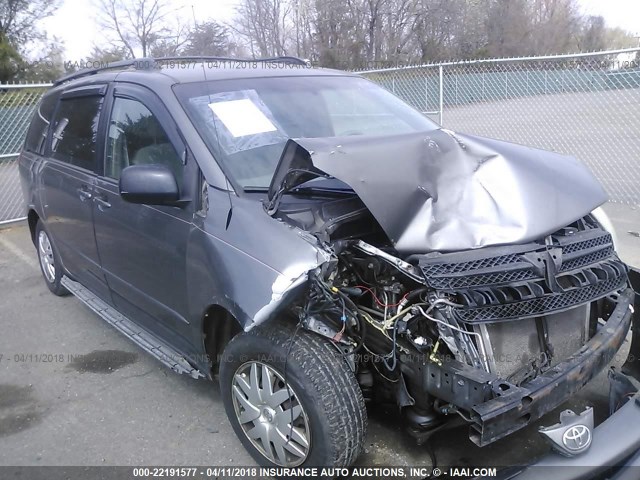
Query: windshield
[247, 122]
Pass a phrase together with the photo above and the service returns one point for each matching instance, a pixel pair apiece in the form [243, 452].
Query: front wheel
[310, 414]
[49, 260]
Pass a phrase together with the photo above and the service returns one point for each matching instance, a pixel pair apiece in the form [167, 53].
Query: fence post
[506, 85]
[426, 93]
[523, 76]
[455, 90]
[546, 77]
[441, 95]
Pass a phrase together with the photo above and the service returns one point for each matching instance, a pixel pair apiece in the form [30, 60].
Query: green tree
[18, 31]
[108, 55]
[209, 38]
[10, 60]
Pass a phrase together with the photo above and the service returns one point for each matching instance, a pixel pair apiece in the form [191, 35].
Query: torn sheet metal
[444, 191]
[284, 289]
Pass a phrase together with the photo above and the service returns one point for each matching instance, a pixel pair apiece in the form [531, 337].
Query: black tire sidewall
[56, 286]
[245, 348]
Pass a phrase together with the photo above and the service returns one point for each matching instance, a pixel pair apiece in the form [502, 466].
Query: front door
[143, 247]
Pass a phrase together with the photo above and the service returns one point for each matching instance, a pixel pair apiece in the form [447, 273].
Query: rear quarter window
[37, 133]
[75, 131]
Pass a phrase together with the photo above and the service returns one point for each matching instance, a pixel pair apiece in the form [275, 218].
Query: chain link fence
[586, 105]
[17, 105]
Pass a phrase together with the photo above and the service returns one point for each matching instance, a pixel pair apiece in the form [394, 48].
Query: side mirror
[150, 184]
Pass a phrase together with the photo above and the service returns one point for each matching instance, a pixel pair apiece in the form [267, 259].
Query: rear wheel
[49, 262]
[312, 414]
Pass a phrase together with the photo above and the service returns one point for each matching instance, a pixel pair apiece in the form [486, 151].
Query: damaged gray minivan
[317, 244]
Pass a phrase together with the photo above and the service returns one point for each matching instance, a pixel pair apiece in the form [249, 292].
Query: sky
[73, 22]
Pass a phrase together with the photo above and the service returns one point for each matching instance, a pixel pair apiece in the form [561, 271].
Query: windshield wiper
[271, 207]
[327, 191]
[252, 189]
[307, 191]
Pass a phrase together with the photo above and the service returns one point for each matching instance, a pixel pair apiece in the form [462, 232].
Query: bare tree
[619, 38]
[18, 19]
[264, 25]
[137, 25]
[556, 26]
[593, 35]
[509, 28]
[352, 33]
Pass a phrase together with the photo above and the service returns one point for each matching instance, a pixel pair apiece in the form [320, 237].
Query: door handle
[102, 202]
[84, 193]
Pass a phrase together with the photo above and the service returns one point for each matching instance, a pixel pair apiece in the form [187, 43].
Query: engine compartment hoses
[484, 358]
[362, 323]
[410, 297]
[452, 327]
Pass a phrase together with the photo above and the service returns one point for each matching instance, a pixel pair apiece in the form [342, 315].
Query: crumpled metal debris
[445, 191]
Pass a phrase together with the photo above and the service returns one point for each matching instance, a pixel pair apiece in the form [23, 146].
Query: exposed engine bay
[444, 333]
[489, 314]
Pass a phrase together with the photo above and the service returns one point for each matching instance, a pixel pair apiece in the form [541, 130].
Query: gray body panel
[155, 271]
[427, 190]
[65, 200]
[163, 267]
[440, 191]
[235, 267]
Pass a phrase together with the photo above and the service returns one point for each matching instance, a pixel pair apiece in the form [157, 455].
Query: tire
[327, 402]
[49, 261]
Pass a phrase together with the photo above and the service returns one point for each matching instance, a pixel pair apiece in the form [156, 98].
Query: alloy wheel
[270, 414]
[45, 253]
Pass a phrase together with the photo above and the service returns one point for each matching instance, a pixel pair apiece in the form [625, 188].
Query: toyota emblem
[577, 438]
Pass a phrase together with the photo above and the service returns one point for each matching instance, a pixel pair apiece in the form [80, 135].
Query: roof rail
[283, 59]
[148, 63]
[144, 63]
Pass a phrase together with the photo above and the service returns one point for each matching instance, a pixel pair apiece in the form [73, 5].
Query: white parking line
[15, 250]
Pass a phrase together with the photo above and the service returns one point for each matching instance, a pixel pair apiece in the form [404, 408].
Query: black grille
[537, 306]
[598, 241]
[585, 260]
[490, 266]
[433, 269]
[492, 284]
[469, 281]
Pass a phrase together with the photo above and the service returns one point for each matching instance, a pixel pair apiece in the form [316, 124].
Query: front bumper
[614, 453]
[521, 405]
[499, 408]
[615, 444]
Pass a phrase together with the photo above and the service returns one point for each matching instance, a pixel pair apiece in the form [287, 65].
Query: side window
[37, 133]
[137, 138]
[75, 131]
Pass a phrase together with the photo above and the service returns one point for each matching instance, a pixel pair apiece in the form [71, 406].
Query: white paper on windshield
[242, 117]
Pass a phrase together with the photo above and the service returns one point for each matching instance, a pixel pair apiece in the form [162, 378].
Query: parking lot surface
[73, 391]
[590, 126]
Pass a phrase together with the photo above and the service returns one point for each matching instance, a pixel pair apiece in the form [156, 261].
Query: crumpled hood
[443, 191]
